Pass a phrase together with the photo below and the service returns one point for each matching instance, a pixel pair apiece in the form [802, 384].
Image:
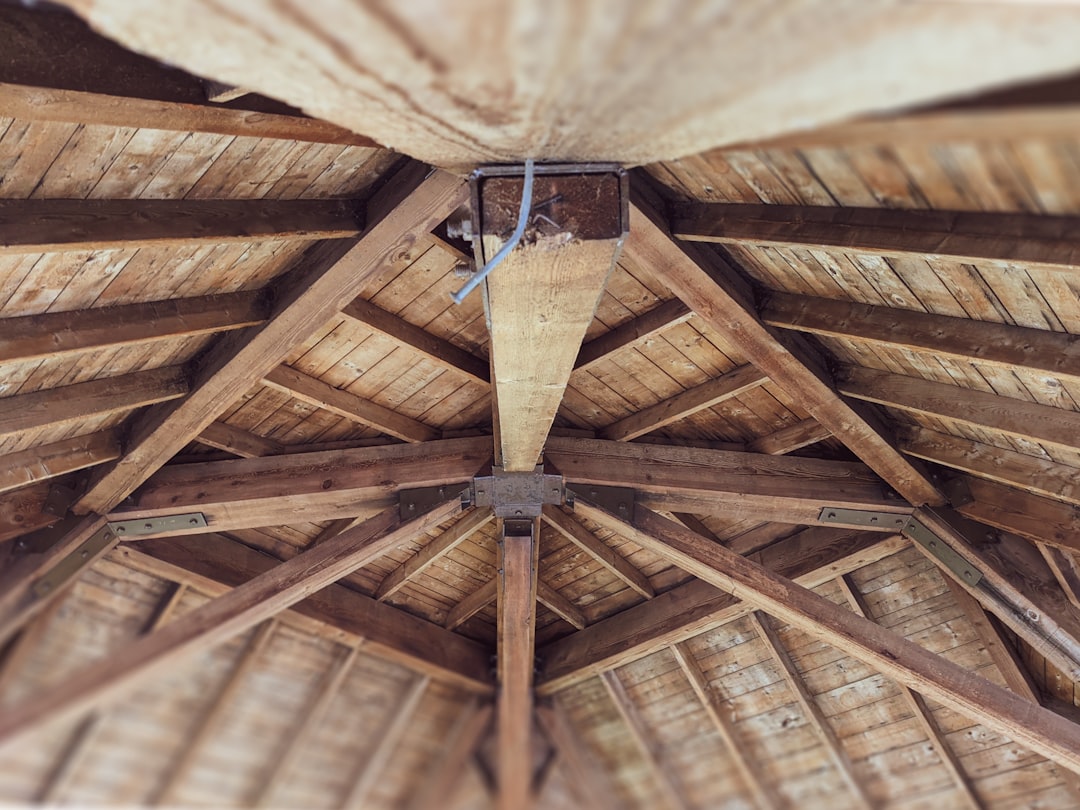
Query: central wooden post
[516, 603]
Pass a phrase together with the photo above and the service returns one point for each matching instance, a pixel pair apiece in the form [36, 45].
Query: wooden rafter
[333, 275]
[720, 298]
[637, 330]
[1039, 729]
[966, 236]
[573, 530]
[57, 458]
[560, 605]
[789, 439]
[1039, 519]
[222, 618]
[471, 605]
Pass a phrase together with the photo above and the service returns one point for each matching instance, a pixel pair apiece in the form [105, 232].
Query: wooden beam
[73, 107]
[516, 605]
[221, 619]
[280, 490]
[231, 439]
[815, 717]
[1040, 730]
[450, 539]
[57, 458]
[585, 771]
[560, 605]
[715, 292]
[811, 558]
[920, 710]
[471, 605]
[984, 342]
[54, 407]
[789, 439]
[418, 340]
[707, 395]
[757, 782]
[219, 564]
[51, 226]
[783, 489]
[387, 738]
[1065, 569]
[1013, 417]
[60, 334]
[1033, 240]
[26, 510]
[637, 330]
[438, 788]
[543, 298]
[331, 275]
[572, 529]
[343, 403]
[671, 791]
[1036, 475]
[1040, 520]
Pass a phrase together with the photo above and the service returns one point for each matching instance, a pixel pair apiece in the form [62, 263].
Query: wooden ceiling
[230, 312]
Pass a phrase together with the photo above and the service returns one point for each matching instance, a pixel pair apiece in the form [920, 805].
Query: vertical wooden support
[516, 601]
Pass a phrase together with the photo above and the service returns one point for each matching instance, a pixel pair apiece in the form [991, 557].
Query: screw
[84, 553]
[121, 529]
[193, 521]
[148, 525]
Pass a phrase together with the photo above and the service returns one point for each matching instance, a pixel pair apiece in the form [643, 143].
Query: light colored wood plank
[635, 331]
[231, 439]
[573, 530]
[471, 605]
[560, 605]
[587, 774]
[440, 787]
[789, 439]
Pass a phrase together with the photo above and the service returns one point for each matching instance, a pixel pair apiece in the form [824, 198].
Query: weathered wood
[75, 403]
[931, 675]
[1013, 417]
[572, 529]
[716, 294]
[439, 787]
[758, 783]
[993, 344]
[221, 564]
[231, 439]
[1065, 569]
[280, 490]
[542, 299]
[560, 605]
[50, 226]
[25, 510]
[58, 334]
[343, 403]
[332, 276]
[777, 488]
[71, 106]
[789, 439]
[1040, 520]
[811, 557]
[727, 386]
[516, 606]
[222, 618]
[967, 236]
[471, 605]
[586, 772]
[58, 458]
[413, 337]
[637, 330]
[444, 543]
[815, 717]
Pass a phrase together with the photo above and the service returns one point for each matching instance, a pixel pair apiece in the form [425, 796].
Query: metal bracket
[886, 521]
[941, 550]
[158, 525]
[413, 503]
[616, 500]
[518, 495]
[96, 545]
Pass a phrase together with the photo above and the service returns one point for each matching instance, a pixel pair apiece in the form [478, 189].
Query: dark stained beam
[57, 458]
[718, 295]
[637, 330]
[967, 236]
[983, 342]
[331, 276]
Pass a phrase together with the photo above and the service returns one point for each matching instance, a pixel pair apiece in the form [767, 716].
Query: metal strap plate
[158, 525]
[942, 551]
[885, 521]
[97, 544]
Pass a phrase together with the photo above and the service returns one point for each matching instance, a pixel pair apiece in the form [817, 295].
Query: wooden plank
[811, 557]
[1065, 569]
[70, 106]
[670, 790]
[233, 612]
[757, 782]
[637, 330]
[789, 439]
[332, 275]
[516, 606]
[718, 296]
[1032, 240]
[297, 487]
[727, 386]
[101, 397]
[343, 403]
[50, 226]
[815, 717]
[775, 488]
[920, 710]
[560, 605]
[573, 530]
[439, 787]
[983, 342]
[917, 668]
[388, 738]
[447, 541]
[1013, 417]
[58, 458]
[586, 773]
[231, 439]
[471, 605]
[59, 334]
[1040, 520]
[25, 510]
[413, 337]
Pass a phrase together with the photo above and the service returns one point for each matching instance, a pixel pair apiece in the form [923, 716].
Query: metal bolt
[148, 525]
[84, 553]
[121, 529]
[193, 521]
